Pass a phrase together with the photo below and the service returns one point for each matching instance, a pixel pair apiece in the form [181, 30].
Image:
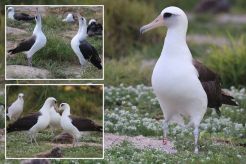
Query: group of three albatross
[84, 51]
[48, 116]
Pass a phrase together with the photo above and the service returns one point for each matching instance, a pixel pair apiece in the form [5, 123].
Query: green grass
[229, 62]
[209, 153]
[18, 145]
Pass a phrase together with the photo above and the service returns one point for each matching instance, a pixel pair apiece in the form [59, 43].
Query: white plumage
[91, 21]
[80, 36]
[69, 18]
[43, 119]
[175, 79]
[16, 108]
[40, 40]
[11, 13]
[66, 123]
[55, 119]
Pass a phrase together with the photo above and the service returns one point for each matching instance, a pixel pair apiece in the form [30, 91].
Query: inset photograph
[54, 121]
[54, 42]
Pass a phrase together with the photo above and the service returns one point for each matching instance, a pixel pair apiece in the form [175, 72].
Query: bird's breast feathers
[170, 78]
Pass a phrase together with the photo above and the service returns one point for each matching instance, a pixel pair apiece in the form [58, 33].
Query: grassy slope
[18, 145]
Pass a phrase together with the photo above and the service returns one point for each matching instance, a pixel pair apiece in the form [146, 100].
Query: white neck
[66, 112]
[82, 32]
[38, 27]
[11, 14]
[20, 98]
[175, 43]
[45, 107]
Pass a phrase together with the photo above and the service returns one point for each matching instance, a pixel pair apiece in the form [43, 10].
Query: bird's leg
[165, 131]
[31, 138]
[83, 69]
[29, 61]
[34, 138]
[196, 136]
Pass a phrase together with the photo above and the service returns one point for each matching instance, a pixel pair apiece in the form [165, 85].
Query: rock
[15, 31]
[54, 153]
[63, 138]
[26, 72]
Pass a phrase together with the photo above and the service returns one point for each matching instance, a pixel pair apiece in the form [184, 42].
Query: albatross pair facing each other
[183, 86]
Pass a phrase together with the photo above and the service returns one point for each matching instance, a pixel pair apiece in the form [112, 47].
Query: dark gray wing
[212, 86]
[83, 124]
[23, 16]
[25, 45]
[24, 123]
[90, 53]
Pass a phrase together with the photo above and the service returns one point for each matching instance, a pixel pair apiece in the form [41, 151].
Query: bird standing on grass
[16, 108]
[183, 86]
[67, 123]
[18, 16]
[33, 44]
[84, 50]
[42, 119]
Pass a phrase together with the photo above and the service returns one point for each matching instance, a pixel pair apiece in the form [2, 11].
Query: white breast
[68, 127]
[178, 88]
[39, 43]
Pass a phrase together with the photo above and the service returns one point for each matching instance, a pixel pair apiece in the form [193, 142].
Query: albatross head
[38, 16]
[10, 9]
[171, 17]
[64, 107]
[20, 95]
[82, 22]
[51, 102]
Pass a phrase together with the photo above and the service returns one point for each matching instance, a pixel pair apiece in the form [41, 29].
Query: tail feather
[96, 61]
[229, 100]
[11, 51]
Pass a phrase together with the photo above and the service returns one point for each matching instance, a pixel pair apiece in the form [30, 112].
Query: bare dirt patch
[140, 142]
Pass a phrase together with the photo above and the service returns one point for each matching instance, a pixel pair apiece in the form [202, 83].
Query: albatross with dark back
[212, 85]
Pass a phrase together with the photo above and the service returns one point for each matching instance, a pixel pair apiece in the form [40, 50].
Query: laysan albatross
[33, 44]
[94, 28]
[18, 16]
[41, 119]
[16, 108]
[183, 86]
[67, 123]
[84, 50]
[69, 18]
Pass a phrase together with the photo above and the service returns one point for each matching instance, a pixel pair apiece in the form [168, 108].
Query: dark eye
[62, 105]
[167, 15]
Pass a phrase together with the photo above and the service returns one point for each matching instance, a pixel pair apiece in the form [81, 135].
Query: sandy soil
[140, 142]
